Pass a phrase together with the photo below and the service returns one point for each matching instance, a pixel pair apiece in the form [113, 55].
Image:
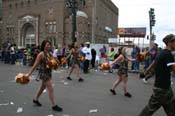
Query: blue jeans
[146, 64]
[7, 57]
[13, 58]
[24, 60]
[136, 65]
[81, 65]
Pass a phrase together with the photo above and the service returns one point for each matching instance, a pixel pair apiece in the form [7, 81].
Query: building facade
[28, 22]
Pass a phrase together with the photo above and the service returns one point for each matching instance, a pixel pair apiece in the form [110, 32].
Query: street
[88, 98]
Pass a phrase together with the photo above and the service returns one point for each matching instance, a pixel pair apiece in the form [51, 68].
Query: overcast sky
[134, 13]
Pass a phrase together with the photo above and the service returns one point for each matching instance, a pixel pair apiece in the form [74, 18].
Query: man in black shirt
[162, 92]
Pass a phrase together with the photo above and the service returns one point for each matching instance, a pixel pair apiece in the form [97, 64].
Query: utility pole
[152, 22]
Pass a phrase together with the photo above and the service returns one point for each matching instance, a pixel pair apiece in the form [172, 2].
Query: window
[54, 28]
[10, 30]
[50, 27]
[10, 6]
[47, 27]
[36, 1]
[82, 3]
[16, 5]
[7, 29]
[28, 2]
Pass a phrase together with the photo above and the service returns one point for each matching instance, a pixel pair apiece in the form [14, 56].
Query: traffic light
[152, 17]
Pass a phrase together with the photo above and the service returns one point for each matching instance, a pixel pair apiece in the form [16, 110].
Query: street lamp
[72, 4]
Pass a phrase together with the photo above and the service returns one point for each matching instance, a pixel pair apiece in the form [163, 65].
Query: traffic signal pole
[152, 23]
[151, 39]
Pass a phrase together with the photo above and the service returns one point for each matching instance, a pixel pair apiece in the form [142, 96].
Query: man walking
[162, 92]
[87, 51]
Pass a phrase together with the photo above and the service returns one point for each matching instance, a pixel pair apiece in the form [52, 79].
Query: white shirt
[55, 53]
[87, 52]
[12, 50]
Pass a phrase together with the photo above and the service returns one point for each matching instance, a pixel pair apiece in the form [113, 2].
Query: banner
[132, 32]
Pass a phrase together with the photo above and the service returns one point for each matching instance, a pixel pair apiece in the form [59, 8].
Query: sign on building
[132, 32]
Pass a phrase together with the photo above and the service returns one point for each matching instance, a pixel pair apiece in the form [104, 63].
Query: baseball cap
[169, 38]
[87, 43]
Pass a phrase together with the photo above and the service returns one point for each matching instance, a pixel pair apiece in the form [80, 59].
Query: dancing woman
[44, 75]
[75, 52]
[122, 71]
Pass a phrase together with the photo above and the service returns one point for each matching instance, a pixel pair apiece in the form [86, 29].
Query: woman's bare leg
[70, 72]
[116, 83]
[40, 91]
[51, 92]
[124, 84]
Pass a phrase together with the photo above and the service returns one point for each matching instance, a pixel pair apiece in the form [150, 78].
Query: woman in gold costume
[45, 75]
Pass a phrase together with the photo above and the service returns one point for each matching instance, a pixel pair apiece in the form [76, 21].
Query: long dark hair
[120, 50]
[44, 43]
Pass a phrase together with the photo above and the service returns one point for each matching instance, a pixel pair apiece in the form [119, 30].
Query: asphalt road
[89, 98]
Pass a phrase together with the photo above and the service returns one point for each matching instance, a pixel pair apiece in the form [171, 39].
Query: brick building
[28, 22]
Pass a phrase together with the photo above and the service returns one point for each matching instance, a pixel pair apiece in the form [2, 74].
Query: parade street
[89, 98]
